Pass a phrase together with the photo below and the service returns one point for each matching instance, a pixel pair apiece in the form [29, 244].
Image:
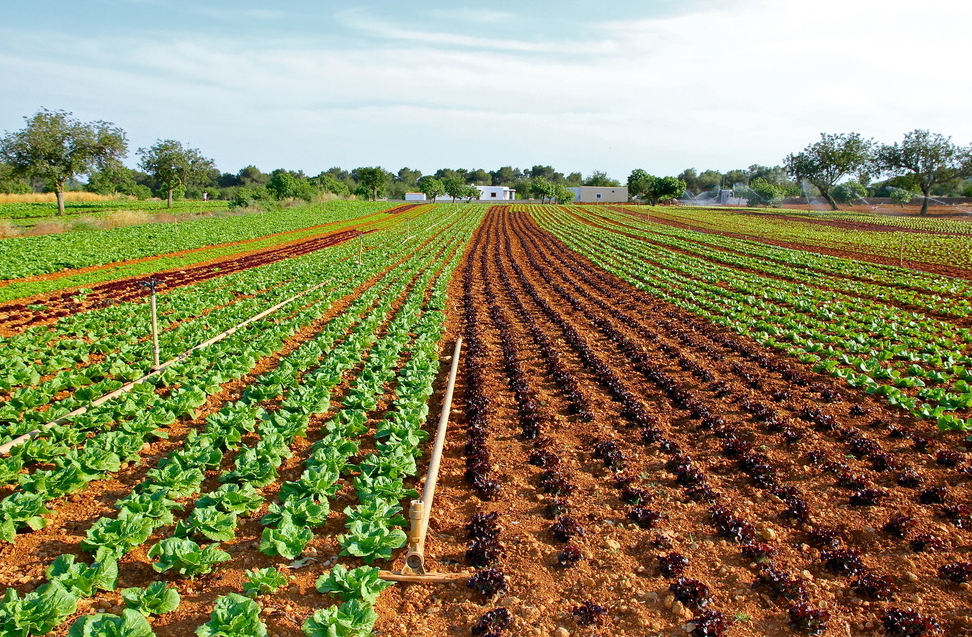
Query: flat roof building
[594, 194]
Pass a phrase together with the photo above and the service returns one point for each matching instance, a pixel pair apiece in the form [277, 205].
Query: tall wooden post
[152, 284]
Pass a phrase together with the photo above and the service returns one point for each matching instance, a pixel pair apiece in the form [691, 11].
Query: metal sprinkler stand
[421, 509]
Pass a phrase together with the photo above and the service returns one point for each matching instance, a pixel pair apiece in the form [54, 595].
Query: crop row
[26, 256]
[748, 459]
[946, 250]
[925, 293]
[864, 342]
[252, 464]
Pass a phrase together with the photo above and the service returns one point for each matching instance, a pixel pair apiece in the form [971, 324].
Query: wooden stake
[151, 285]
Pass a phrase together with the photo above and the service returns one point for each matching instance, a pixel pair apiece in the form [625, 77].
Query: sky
[613, 85]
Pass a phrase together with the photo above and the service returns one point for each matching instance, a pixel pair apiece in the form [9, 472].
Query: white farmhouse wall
[496, 193]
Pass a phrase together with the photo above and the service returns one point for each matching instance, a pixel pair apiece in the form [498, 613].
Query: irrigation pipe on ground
[16, 442]
[421, 510]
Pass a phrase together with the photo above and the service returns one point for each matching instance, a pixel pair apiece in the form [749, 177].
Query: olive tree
[827, 161]
[56, 147]
[932, 159]
[173, 165]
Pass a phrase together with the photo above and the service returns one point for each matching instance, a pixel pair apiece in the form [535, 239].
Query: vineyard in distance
[666, 421]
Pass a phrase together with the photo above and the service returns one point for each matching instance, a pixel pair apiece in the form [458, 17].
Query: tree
[651, 188]
[562, 193]
[174, 165]
[408, 176]
[477, 177]
[10, 182]
[431, 186]
[600, 178]
[252, 176]
[766, 193]
[455, 187]
[541, 187]
[640, 184]
[470, 192]
[849, 191]
[327, 182]
[56, 147]
[826, 162]
[930, 157]
[901, 196]
[286, 185]
[505, 176]
[111, 180]
[373, 179]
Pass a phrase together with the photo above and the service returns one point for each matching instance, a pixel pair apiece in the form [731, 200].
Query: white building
[593, 194]
[494, 193]
[414, 196]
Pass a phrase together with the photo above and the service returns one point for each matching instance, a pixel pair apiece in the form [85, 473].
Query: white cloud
[726, 86]
[470, 14]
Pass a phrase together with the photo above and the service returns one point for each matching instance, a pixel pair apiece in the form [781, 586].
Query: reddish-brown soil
[845, 225]
[552, 337]
[934, 268]
[17, 316]
[707, 252]
[23, 564]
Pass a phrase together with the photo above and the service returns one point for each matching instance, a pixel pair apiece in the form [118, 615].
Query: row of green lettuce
[214, 515]
[928, 292]
[922, 247]
[45, 254]
[901, 355]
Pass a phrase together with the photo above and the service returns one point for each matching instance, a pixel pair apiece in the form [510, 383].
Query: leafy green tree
[505, 176]
[600, 178]
[930, 157]
[252, 176]
[829, 160]
[432, 187]
[691, 178]
[10, 182]
[373, 179]
[327, 182]
[174, 165]
[541, 187]
[470, 192]
[652, 189]
[849, 191]
[287, 185]
[902, 196]
[563, 194]
[56, 147]
[547, 172]
[408, 176]
[111, 180]
[477, 177]
[455, 187]
[641, 184]
[765, 193]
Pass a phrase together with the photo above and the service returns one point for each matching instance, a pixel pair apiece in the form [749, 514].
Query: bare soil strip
[15, 317]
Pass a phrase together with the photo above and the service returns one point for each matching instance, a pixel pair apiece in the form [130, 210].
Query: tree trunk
[59, 195]
[924, 203]
[169, 199]
[826, 195]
